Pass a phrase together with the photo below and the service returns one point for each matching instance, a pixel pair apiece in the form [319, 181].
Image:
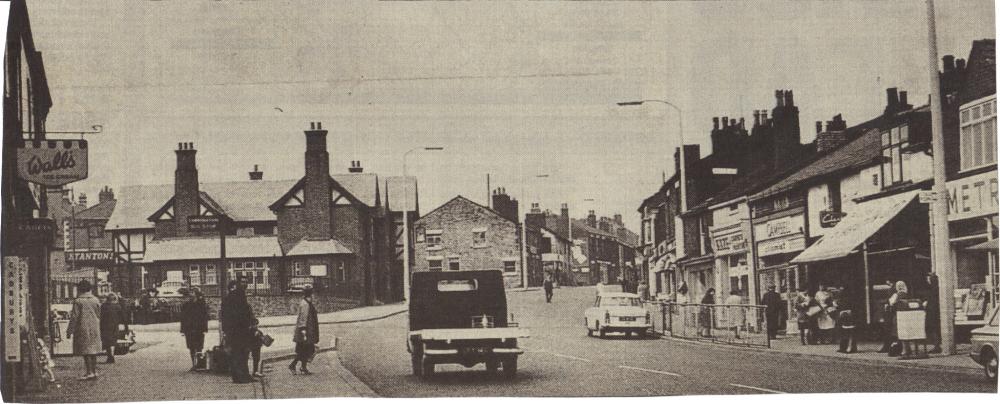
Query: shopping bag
[265, 340]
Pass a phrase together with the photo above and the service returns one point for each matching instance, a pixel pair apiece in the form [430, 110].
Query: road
[562, 361]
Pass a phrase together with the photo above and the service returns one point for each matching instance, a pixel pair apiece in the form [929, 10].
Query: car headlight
[607, 317]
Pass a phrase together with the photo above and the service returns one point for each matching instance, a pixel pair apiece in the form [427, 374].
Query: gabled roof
[101, 211]
[239, 200]
[556, 234]
[363, 186]
[580, 226]
[394, 193]
[462, 199]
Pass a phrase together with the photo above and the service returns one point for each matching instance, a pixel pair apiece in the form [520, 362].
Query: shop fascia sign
[90, 255]
[730, 242]
[52, 162]
[782, 245]
[830, 218]
[779, 227]
[973, 196]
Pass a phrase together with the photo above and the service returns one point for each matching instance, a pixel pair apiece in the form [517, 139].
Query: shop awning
[856, 228]
[991, 245]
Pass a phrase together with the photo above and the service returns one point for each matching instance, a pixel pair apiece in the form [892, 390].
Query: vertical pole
[868, 285]
[406, 234]
[939, 244]
[489, 198]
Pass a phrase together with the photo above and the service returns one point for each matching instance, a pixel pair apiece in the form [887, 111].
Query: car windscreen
[619, 301]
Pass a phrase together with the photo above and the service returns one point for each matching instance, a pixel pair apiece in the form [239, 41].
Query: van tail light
[607, 317]
[648, 318]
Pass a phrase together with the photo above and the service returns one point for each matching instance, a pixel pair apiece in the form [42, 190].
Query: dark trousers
[848, 340]
[238, 369]
[772, 325]
[255, 356]
[548, 296]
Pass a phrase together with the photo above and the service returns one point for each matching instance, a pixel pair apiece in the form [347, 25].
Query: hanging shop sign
[973, 196]
[52, 162]
[830, 218]
[15, 296]
[34, 230]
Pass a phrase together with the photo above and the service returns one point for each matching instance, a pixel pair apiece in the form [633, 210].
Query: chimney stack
[82, 200]
[317, 184]
[789, 99]
[725, 122]
[960, 65]
[833, 137]
[105, 195]
[591, 219]
[949, 63]
[564, 220]
[779, 97]
[763, 117]
[756, 118]
[506, 206]
[715, 123]
[902, 100]
[819, 127]
[355, 167]
[535, 208]
[892, 100]
[186, 199]
[618, 219]
[256, 175]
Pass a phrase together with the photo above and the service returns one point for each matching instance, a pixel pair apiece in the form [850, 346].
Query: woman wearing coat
[802, 303]
[736, 315]
[705, 318]
[194, 324]
[306, 333]
[112, 316]
[825, 323]
[85, 329]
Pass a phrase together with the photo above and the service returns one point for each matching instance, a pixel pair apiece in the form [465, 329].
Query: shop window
[979, 134]
[434, 265]
[894, 141]
[510, 266]
[211, 277]
[194, 274]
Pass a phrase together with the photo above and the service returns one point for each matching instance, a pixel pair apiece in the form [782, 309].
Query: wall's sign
[52, 162]
[973, 196]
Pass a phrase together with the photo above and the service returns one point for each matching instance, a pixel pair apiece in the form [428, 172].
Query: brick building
[334, 232]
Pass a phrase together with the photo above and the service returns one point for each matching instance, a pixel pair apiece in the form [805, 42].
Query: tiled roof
[136, 203]
[102, 210]
[394, 197]
[463, 199]
[980, 75]
[201, 248]
[318, 247]
[363, 186]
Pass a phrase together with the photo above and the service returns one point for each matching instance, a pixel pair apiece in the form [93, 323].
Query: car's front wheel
[990, 365]
[600, 331]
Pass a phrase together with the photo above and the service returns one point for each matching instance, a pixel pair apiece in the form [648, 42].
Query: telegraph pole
[939, 206]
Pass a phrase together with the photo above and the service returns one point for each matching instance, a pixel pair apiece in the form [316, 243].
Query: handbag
[265, 340]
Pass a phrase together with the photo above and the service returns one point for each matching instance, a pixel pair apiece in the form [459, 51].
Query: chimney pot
[732, 122]
[960, 64]
[789, 99]
[715, 123]
[742, 123]
[319, 125]
[756, 118]
[725, 122]
[892, 96]
[902, 99]
[819, 126]
[779, 97]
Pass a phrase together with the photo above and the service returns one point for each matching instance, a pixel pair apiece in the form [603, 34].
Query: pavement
[158, 368]
[337, 317]
[562, 361]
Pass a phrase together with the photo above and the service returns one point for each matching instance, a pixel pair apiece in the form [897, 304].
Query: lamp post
[680, 134]
[406, 221]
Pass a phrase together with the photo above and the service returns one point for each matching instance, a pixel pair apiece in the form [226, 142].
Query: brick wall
[456, 220]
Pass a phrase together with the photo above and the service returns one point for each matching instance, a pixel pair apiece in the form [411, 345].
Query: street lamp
[406, 221]
[680, 133]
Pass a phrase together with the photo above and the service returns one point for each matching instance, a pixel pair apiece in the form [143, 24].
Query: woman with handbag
[825, 322]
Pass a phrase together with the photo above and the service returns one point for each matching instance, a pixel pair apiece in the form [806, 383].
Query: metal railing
[742, 324]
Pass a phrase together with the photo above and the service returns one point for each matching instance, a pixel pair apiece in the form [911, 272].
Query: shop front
[777, 241]
[732, 272]
[699, 274]
[881, 242]
[972, 225]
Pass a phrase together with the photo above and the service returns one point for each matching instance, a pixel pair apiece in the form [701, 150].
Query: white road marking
[576, 358]
[757, 388]
[649, 370]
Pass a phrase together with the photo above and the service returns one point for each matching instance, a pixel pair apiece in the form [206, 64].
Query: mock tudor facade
[333, 232]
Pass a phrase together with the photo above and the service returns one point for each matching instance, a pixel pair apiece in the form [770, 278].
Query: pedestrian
[705, 318]
[85, 329]
[258, 344]
[736, 318]
[897, 301]
[825, 323]
[194, 324]
[112, 323]
[237, 326]
[642, 290]
[846, 325]
[932, 324]
[306, 333]
[802, 303]
[547, 285]
[772, 311]
[145, 306]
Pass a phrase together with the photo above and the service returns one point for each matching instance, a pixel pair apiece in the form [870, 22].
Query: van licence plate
[626, 318]
[476, 350]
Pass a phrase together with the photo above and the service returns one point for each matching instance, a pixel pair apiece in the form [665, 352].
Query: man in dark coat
[112, 316]
[237, 325]
[547, 285]
[306, 333]
[194, 324]
[772, 311]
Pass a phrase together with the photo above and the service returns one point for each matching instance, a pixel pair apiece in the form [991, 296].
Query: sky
[516, 90]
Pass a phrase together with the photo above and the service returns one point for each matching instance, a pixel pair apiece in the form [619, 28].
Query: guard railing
[741, 324]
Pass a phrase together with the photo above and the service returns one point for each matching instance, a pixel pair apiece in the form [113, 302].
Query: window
[454, 265]
[299, 269]
[194, 274]
[834, 195]
[979, 133]
[341, 272]
[245, 271]
[479, 238]
[458, 285]
[893, 143]
[510, 266]
[433, 241]
[434, 265]
[211, 277]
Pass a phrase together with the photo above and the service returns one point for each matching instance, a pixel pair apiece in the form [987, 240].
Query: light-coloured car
[617, 312]
[171, 289]
[984, 346]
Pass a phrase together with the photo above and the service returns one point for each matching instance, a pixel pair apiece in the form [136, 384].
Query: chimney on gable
[506, 206]
[833, 137]
[82, 200]
[317, 190]
[949, 63]
[564, 220]
[618, 219]
[355, 167]
[256, 175]
[105, 195]
[185, 187]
